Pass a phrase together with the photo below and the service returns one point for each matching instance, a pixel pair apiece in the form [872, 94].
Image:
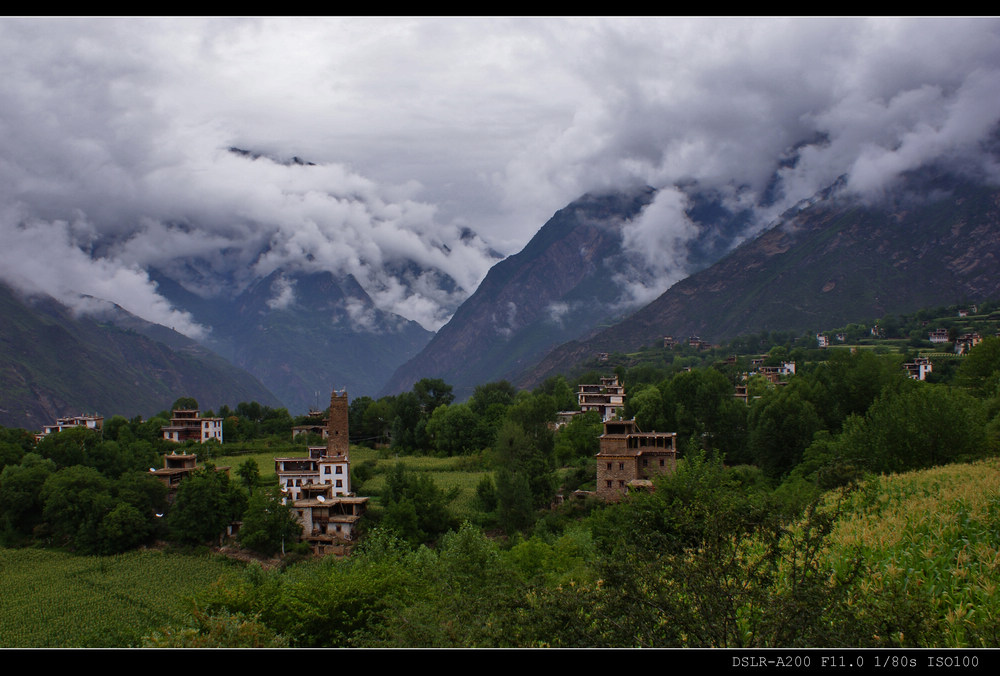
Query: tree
[706, 561]
[579, 438]
[206, 503]
[980, 370]
[560, 391]
[185, 404]
[848, 383]
[249, 474]
[407, 414]
[924, 426]
[431, 393]
[143, 491]
[75, 446]
[647, 405]
[21, 501]
[454, 429]
[268, 524]
[514, 500]
[500, 393]
[490, 403]
[695, 404]
[124, 528]
[76, 501]
[781, 426]
[415, 507]
[520, 455]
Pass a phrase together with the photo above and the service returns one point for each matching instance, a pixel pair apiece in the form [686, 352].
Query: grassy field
[51, 599]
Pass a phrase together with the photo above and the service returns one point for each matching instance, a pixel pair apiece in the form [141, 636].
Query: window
[609, 483]
[621, 483]
[340, 469]
[621, 465]
[340, 483]
[661, 462]
[326, 470]
[609, 465]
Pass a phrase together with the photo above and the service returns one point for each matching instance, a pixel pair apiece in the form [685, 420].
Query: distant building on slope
[188, 425]
[608, 398]
[91, 422]
[964, 343]
[938, 336]
[919, 368]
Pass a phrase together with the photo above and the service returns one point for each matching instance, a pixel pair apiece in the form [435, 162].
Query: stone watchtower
[336, 442]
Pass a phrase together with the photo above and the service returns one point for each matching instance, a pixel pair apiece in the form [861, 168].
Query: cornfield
[53, 599]
[933, 536]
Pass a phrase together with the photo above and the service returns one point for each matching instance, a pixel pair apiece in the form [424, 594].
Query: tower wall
[337, 443]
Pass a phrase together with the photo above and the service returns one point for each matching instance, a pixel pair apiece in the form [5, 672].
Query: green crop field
[933, 538]
[51, 599]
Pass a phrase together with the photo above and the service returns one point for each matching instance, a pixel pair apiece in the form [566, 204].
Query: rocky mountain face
[934, 240]
[571, 278]
[53, 364]
[304, 333]
[557, 287]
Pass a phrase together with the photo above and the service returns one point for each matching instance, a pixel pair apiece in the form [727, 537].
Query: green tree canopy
[206, 503]
[185, 404]
[980, 370]
[268, 524]
[415, 507]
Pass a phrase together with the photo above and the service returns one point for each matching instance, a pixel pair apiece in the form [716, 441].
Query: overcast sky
[113, 136]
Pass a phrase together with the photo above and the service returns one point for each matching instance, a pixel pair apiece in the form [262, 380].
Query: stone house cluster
[669, 342]
[316, 424]
[938, 336]
[318, 486]
[777, 375]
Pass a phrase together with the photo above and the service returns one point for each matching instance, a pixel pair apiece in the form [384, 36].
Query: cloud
[284, 293]
[655, 247]
[42, 257]
[115, 137]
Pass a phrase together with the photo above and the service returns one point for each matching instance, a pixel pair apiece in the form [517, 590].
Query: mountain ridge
[492, 329]
[54, 363]
[830, 262]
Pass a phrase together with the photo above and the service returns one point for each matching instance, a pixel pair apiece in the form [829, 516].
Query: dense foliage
[706, 560]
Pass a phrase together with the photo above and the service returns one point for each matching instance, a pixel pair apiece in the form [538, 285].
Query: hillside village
[528, 471]
[630, 447]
